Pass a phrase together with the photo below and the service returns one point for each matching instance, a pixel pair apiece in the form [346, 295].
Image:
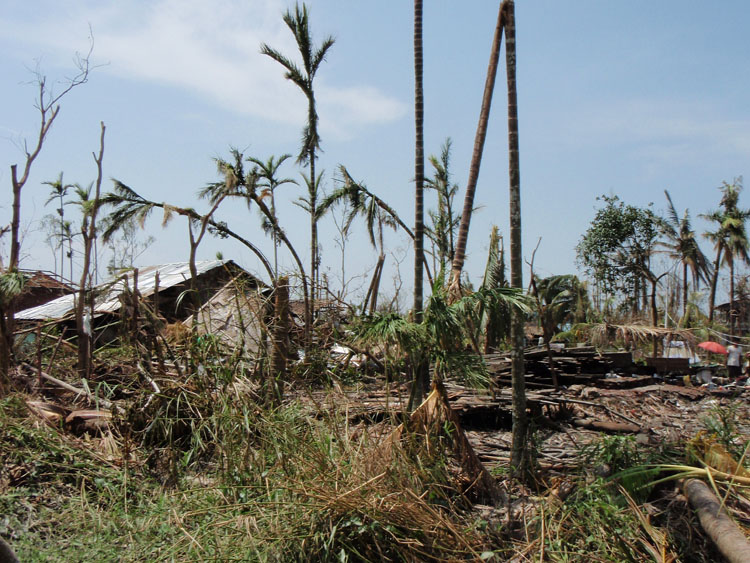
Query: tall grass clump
[296, 487]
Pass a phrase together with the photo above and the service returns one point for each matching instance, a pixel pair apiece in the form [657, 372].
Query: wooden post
[134, 304]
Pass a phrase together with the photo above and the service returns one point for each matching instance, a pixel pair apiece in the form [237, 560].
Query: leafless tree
[48, 105]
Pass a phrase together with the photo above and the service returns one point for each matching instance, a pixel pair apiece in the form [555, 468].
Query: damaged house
[231, 303]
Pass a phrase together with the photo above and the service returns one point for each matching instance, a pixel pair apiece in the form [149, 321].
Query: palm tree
[312, 57]
[519, 451]
[59, 189]
[358, 194]
[377, 215]
[265, 173]
[237, 183]
[444, 222]
[730, 240]
[683, 246]
[422, 373]
[129, 206]
[494, 322]
[476, 158]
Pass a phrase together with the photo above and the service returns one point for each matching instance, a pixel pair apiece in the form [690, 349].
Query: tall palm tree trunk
[732, 314]
[684, 288]
[422, 370]
[476, 159]
[313, 243]
[519, 452]
[714, 282]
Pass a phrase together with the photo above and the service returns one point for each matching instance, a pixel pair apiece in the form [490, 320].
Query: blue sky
[614, 97]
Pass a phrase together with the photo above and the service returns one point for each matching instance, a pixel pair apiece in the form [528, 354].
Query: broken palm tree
[434, 419]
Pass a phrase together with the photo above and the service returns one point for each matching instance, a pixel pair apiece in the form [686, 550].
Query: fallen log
[6, 553]
[715, 521]
[605, 425]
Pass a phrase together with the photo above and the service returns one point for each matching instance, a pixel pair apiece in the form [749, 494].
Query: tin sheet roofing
[108, 298]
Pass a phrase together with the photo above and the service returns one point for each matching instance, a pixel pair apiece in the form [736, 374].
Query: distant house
[164, 286]
[39, 288]
[741, 312]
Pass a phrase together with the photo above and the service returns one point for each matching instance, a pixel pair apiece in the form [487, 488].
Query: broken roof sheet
[108, 299]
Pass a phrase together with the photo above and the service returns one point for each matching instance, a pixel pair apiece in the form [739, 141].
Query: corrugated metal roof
[108, 300]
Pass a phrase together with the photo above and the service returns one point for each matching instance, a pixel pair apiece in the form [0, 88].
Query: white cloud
[209, 48]
[665, 130]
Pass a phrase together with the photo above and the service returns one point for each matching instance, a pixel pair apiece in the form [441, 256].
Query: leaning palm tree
[312, 57]
[357, 193]
[237, 184]
[683, 247]
[476, 158]
[128, 207]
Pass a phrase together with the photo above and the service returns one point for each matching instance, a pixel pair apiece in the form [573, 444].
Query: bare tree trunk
[654, 314]
[313, 253]
[89, 234]
[476, 158]
[371, 297]
[280, 352]
[418, 163]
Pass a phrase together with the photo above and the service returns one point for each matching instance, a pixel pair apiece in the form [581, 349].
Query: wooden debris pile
[583, 365]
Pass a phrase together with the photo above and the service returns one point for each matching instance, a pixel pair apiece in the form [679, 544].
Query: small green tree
[616, 249]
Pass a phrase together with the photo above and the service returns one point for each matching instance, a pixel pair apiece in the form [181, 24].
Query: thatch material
[603, 334]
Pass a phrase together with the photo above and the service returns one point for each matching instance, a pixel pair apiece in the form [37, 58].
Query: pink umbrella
[714, 347]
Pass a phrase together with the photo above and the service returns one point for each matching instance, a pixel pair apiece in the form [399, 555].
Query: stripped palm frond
[603, 334]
